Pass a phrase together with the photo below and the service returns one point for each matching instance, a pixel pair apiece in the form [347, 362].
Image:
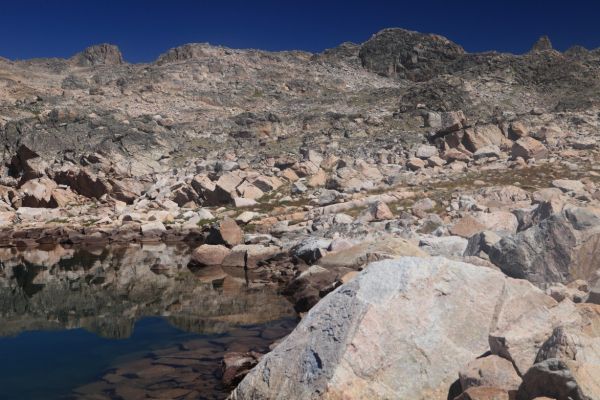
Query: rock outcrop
[101, 54]
[561, 248]
[409, 55]
[392, 332]
[542, 44]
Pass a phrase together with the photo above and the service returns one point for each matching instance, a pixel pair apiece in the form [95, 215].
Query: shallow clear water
[49, 364]
[124, 323]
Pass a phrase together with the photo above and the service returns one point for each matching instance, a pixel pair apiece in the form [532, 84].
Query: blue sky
[145, 29]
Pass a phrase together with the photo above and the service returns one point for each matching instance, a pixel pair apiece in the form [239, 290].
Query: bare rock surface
[350, 345]
[490, 371]
[209, 254]
[561, 248]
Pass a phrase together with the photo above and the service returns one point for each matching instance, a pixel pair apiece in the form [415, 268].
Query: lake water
[126, 323]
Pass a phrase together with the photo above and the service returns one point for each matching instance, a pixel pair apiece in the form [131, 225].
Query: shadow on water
[126, 322]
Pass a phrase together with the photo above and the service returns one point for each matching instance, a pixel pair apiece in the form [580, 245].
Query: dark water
[126, 323]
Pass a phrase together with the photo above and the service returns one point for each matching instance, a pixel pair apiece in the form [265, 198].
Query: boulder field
[433, 215]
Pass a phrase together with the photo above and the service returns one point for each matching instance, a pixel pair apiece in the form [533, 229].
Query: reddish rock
[226, 232]
[484, 393]
[415, 164]
[209, 254]
[466, 227]
[64, 197]
[126, 190]
[27, 164]
[290, 175]
[248, 191]
[518, 130]
[435, 161]
[38, 193]
[318, 179]
[528, 147]
[483, 136]
[490, 371]
[452, 155]
[183, 194]
[381, 211]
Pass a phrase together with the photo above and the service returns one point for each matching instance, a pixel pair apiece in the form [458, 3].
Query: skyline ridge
[542, 37]
[143, 30]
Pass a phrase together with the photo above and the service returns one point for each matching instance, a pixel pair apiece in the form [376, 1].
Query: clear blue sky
[145, 29]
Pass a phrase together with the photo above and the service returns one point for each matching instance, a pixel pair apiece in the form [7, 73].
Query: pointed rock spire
[542, 44]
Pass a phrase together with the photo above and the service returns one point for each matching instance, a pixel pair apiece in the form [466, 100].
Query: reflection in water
[106, 290]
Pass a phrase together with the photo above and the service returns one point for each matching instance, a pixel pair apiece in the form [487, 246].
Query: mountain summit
[101, 54]
[542, 44]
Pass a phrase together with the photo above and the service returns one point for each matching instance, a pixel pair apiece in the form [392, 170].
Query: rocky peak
[101, 54]
[182, 53]
[542, 44]
[577, 52]
[346, 51]
[407, 54]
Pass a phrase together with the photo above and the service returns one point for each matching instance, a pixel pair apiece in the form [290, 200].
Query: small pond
[127, 322]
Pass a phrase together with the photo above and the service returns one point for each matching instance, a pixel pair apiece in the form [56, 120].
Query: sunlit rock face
[105, 290]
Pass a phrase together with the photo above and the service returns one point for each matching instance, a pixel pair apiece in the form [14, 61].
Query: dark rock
[26, 164]
[310, 286]
[310, 249]
[410, 55]
[183, 194]
[481, 243]
[594, 294]
[237, 365]
[102, 54]
[561, 248]
[83, 182]
[551, 378]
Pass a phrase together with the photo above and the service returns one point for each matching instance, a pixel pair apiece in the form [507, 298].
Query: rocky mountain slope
[306, 168]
